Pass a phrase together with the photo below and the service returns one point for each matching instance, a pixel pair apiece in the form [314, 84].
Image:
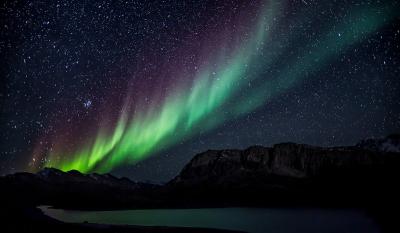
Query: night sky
[137, 88]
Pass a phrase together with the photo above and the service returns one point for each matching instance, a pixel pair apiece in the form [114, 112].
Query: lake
[254, 220]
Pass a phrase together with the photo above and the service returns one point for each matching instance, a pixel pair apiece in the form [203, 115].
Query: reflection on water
[254, 220]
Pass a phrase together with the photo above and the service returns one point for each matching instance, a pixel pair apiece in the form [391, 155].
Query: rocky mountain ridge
[255, 176]
[285, 159]
[390, 143]
[73, 189]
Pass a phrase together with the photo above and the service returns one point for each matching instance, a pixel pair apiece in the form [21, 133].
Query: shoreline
[33, 219]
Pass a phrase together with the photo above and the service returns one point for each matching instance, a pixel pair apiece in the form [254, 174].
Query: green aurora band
[216, 96]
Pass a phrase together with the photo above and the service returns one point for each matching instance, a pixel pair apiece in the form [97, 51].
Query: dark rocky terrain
[390, 143]
[290, 173]
[75, 190]
[286, 174]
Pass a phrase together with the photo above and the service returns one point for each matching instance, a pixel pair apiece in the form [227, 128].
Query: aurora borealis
[204, 67]
[137, 135]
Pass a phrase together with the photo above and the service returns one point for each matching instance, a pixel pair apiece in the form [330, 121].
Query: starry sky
[137, 88]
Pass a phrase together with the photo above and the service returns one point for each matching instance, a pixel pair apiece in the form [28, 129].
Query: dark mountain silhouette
[286, 174]
[390, 143]
[73, 189]
[257, 175]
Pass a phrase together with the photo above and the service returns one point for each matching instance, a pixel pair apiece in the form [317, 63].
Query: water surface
[253, 220]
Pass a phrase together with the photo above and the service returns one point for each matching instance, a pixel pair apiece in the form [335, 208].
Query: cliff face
[290, 160]
[289, 174]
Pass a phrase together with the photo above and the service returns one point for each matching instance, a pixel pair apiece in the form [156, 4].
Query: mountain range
[285, 175]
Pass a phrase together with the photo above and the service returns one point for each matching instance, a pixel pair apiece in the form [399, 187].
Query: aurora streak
[220, 89]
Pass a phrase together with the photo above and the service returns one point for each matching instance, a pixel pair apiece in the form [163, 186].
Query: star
[87, 104]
